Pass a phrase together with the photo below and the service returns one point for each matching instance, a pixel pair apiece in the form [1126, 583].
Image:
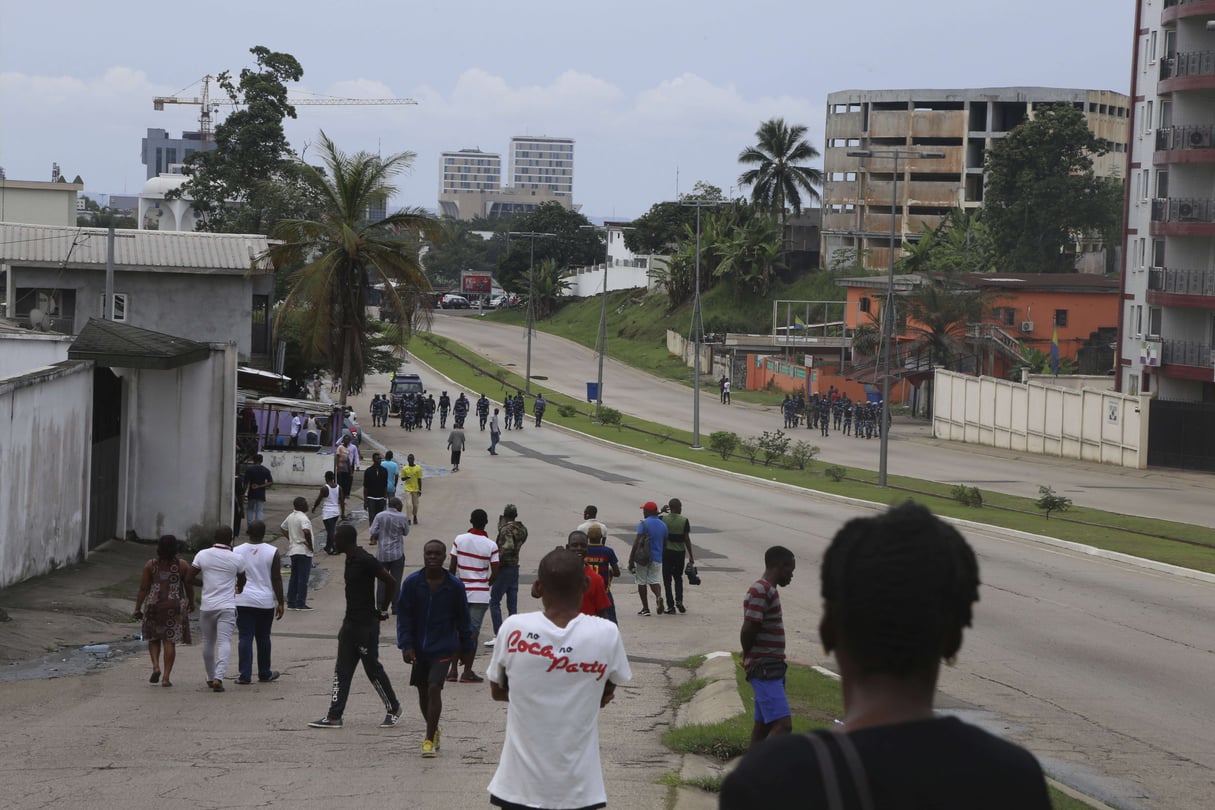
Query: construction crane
[208, 106]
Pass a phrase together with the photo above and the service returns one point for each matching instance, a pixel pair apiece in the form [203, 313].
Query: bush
[567, 411]
[801, 453]
[609, 416]
[835, 473]
[967, 496]
[773, 446]
[724, 443]
[750, 448]
[1049, 502]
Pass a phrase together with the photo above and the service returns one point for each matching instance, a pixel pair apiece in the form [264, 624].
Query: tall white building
[541, 170]
[1167, 335]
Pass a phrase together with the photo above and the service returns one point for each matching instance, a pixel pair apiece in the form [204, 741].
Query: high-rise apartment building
[541, 170]
[1167, 335]
[961, 124]
[160, 153]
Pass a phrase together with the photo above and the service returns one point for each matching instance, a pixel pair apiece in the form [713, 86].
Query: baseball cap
[648, 505]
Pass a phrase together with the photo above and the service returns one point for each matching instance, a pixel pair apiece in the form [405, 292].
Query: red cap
[649, 506]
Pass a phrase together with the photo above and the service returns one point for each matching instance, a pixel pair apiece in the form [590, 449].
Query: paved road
[1185, 497]
[1101, 668]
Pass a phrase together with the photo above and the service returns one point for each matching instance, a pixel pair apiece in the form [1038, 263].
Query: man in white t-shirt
[258, 604]
[556, 669]
[590, 517]
[474, 559]
[222, 573]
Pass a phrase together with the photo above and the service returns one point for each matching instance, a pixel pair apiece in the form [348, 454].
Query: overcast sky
[657, 94]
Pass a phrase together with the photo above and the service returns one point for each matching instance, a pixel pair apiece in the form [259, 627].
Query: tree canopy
[661, 228]
[779, 175]
[250, 180]
[337, 258]
[1042, 192]
[572, 244]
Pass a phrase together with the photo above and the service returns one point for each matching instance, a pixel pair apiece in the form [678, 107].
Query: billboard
[476, 283]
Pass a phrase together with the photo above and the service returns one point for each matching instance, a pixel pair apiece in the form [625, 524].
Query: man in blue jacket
[433, 626]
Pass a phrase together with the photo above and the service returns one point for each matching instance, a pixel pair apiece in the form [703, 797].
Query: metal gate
[1182, 435]
[107, 447]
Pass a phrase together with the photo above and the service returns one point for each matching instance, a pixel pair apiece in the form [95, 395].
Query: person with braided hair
[898, 589]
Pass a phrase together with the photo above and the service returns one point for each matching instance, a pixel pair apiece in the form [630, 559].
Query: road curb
[1010, 534]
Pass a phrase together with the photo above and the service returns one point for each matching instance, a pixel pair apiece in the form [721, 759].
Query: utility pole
[531, 289]
[602, 342]
[696, 322]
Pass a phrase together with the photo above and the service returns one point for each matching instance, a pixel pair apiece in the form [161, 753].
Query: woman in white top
[258, 604]
[334, 503]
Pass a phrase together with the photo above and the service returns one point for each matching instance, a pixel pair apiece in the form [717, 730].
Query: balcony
[1183, 216]
[1179, 287]
[1180, 9]
[1193, 70]
[1188, 144]
[1186, 359]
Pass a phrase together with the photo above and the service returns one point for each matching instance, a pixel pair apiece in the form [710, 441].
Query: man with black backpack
[645, 560]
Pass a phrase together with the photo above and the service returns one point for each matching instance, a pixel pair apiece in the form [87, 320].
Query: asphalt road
[1101, 668]
[567, 366]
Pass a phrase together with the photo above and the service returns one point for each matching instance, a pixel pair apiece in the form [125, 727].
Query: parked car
[453, 301]
[503, 301]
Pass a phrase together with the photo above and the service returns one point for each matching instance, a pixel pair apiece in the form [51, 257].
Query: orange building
[1026, 309]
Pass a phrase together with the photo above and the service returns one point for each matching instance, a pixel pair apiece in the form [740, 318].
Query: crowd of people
[833, 411]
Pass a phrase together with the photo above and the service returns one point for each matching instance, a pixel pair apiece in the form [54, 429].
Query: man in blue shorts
[763, 645]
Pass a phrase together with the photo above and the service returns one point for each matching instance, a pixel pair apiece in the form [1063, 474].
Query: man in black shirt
[359, 638]
[257, 480]
[375, 487]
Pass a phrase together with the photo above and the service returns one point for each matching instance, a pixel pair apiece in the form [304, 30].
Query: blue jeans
[255, 510]
[297, 586]
[507, 583]
[253, 623]
[494, 438]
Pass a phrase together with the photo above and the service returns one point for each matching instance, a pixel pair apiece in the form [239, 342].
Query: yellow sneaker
[428, 748]
[438, 734]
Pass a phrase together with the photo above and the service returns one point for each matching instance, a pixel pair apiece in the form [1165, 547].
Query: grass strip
[1164, 541]
[816, 702]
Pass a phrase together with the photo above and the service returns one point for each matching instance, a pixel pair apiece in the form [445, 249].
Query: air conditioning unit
[1200, 139]
[1027, 326]
[1185, 211]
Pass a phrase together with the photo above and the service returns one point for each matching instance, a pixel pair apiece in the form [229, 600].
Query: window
[1007, 315]
[1162, 184]
[1147, 119]
[1060, 317]
[1132, 385]
[1145, 184]
[1152, 48]
[864, 305]
[1137, 310]
[1154, 317]
[1157, 253]
[120, 306]
[1142, 246]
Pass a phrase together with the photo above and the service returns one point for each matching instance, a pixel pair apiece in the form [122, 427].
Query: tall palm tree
[779, 177]
[335, 259]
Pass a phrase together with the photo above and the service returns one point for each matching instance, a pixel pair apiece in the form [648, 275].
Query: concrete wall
[178, 457]
[45, 441]
[38, 203]
[202, 307]
[1036, 418]
[588, 281]
[23, 351]
[1072, 382]
[711, 365]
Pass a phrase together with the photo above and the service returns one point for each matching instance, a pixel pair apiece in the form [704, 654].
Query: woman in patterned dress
[169, 601]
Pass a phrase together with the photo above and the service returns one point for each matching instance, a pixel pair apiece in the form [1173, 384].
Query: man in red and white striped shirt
[763, 645]
[474, 559]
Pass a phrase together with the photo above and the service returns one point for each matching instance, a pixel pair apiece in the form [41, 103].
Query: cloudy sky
[657, 94]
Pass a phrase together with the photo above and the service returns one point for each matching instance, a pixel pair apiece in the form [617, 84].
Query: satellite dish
[39, 320]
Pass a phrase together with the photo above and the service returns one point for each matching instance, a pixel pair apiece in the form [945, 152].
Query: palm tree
[942, 312]
[335, 259]
[548, 286]
[779, 177]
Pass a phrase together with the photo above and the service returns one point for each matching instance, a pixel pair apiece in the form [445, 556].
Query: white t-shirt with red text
[474, 552]
[556, 676]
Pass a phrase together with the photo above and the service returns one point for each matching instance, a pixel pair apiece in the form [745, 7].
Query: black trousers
[672, 569]
[359, 642]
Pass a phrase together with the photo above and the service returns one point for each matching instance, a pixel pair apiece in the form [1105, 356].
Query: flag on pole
[1054, 352]
[797, 319]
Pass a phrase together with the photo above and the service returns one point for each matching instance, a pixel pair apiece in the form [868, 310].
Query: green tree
[779, 176]
[747, 244]
[939, 312]
[571, 245]
[461, 248]
[251, 180]
[961, 243]
[1042, 192]
[335, 259]
[547, 288]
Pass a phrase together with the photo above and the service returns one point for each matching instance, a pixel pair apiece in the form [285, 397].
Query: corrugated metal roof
[185, 251]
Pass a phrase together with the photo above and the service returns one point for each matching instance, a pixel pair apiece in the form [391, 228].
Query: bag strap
[856, 769]
[826, 767]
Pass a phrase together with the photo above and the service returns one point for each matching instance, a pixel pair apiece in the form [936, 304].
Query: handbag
[829, 770]
[690, 573]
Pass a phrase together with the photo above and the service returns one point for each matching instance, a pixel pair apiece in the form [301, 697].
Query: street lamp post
[607, 260]
[888, 307]
[531, 290]
[696, 321]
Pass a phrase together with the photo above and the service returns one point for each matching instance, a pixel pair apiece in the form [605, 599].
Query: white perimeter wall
[588, 281]
[1032, 417]
[23, 351]
[46, 425]
[179, 438]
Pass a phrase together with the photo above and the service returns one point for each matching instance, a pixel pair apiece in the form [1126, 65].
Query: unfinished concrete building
[960, 124]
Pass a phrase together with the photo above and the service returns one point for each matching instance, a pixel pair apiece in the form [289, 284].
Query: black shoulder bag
[833, 772]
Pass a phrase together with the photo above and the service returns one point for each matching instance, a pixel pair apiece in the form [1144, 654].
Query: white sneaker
[490, 643]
